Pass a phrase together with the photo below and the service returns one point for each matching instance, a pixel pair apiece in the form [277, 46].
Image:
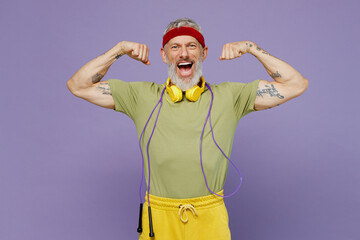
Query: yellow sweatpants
[201, 218]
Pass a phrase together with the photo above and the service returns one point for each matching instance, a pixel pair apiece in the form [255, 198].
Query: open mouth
[185, 68]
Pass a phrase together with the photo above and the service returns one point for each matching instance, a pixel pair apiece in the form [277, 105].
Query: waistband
[208, 201]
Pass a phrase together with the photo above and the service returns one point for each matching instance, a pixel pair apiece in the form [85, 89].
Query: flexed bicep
[271, 94]
[98, 94]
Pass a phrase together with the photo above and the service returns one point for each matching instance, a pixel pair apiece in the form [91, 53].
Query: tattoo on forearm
[276, 75]
[263, 51]
[251, 45]
[272, 91]
[117, 56]
[97, 78]
[104, 88]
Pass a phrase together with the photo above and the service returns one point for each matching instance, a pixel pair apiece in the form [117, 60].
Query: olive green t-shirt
[174, 151]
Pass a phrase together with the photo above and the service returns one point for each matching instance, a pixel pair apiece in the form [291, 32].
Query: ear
[205, 52]
[163, 55]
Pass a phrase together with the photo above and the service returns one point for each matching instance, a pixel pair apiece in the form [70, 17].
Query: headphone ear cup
[193, 93]
[175, 93]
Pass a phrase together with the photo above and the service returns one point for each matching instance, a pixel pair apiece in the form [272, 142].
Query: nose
[184, 52]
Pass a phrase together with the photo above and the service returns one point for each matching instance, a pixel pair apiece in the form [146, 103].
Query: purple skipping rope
[202, 168]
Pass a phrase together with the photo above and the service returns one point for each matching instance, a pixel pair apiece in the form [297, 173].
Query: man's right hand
[137, 51]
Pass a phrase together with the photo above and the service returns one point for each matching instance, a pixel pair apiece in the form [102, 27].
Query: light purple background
[70, 170]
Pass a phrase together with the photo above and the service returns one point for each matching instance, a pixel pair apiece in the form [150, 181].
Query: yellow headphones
[192, 94]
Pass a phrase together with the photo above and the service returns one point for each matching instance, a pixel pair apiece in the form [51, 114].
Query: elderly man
[186, 193]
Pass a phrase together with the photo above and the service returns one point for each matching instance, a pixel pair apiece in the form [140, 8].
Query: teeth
[183, 64]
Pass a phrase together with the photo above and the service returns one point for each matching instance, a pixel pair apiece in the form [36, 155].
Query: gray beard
[185, 84]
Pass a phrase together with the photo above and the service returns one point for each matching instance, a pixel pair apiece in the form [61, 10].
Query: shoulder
[235, 87]
[137, 86]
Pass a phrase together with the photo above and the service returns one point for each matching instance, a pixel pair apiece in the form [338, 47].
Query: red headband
[184, 31]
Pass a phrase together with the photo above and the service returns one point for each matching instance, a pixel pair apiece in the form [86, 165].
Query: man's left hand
[235, 49]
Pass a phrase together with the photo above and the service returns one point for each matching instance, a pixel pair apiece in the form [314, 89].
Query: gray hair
[183, 22]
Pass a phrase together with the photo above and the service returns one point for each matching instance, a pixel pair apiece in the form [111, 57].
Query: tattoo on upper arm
[97, 78]
[276, 75]
[272, 91]
[271, 107]
[104, 88]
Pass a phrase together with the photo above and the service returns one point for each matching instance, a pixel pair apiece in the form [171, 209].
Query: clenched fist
[235, 49]
[137, 51]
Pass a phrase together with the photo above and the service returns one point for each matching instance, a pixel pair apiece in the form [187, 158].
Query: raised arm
[85, 83]
[288, 82]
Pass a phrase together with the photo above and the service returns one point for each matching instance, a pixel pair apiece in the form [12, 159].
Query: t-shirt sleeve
[244, 95]
[125, 95]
